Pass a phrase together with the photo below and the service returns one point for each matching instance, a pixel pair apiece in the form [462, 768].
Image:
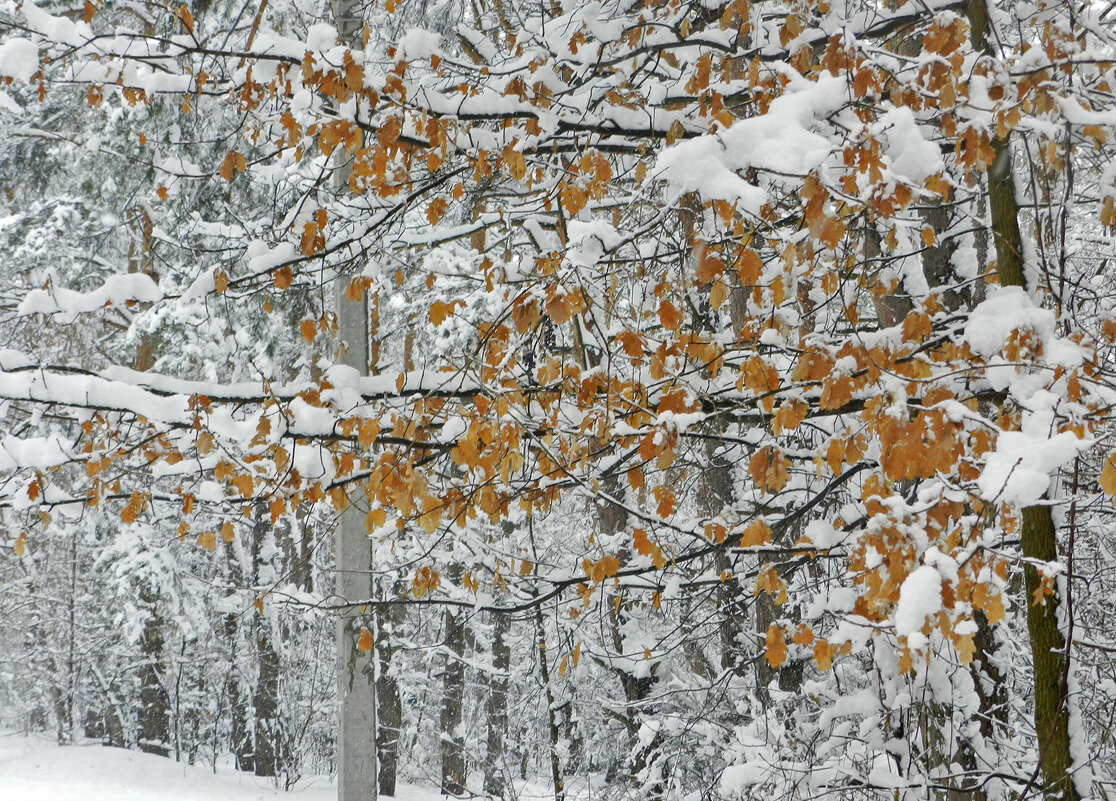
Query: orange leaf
[768, 468]
[768, 581]
[709, 268]
[788, 416]
[234, 162]
[436, 210]
[367, 433]
[755, 534]
[283, 278]
[776, 646]
[364, 641]
[836, 392]
[669, 315]
[312, 240]
[917, 326]
[601, 569]
[631, 342]
[749, 267]
[1108, 476]
[183, 13]
[966, 648]
[803, 635]
[823, 654]
[440, 310]
[308, 331]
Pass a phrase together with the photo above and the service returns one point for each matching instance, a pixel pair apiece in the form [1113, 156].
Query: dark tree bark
[389, 706]
[154, 712]
[267, 728]
[453, 698]
[495, 782]
[1038, 535]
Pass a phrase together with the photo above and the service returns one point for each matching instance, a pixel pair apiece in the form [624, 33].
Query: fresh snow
[35, 769]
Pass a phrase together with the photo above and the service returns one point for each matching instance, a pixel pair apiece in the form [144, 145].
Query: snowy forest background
[799, 594]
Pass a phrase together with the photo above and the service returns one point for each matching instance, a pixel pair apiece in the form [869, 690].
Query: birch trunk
[356, 673]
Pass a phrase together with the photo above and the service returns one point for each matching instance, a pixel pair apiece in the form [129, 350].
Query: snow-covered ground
[35, 769]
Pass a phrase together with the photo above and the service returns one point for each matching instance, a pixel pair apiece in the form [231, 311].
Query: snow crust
[19, 59]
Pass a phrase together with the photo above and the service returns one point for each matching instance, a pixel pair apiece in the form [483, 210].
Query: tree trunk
[495, 782]
[240, 735]
[154, 713]
[453, 697]
[389, 706]
[265, 700]
[268, 729]
[551, 715]
[1038, 536]
[356, 679]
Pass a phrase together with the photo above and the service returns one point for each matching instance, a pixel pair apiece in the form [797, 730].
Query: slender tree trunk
[154, 713]
[1038, 536]
[356, 675]
[268, 730]
[267, 727]
[240, 735]
[637, 689]
[495, 782]
[389, 706]
[551, 714]
[453, 697]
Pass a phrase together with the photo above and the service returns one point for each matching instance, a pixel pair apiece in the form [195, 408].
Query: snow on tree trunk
[356, 672]
[154, 713]
[356, 735]
[389, 706]
[496, 705]
[453, 697]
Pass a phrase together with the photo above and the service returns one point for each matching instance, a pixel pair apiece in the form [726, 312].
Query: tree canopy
[759, 344]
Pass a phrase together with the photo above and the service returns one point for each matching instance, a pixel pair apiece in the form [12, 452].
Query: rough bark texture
[240, 735]
[637, 690]
[551, 716]
[1048, 650]
[154, 714]
[496, 710]
[265, 701]
[1038, 537]
[717, 493]
[453, 696]
[269, 736]
[389, 706]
